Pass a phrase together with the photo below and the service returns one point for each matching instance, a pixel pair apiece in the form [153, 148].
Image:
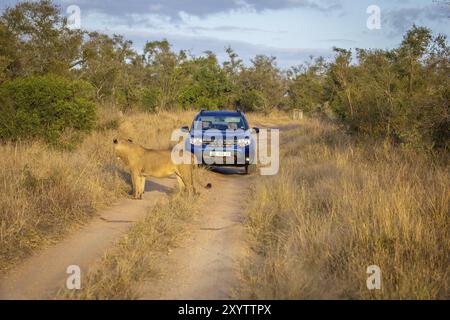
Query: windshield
[220, 122]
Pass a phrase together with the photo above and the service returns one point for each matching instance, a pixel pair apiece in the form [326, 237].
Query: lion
[143, 162]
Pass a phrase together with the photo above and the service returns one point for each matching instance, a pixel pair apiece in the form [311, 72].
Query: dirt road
[42, 275]
[204, 267]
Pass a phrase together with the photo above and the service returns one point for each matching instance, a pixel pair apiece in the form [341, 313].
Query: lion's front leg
[135, 182]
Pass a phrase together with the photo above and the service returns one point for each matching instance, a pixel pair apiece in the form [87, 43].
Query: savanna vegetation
[339, 206]
[136, 257]
[369, 184]
[46, 192]
[400, 94]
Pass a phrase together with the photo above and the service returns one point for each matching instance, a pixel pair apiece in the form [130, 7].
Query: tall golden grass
[47, 192]
[338, 207]
[136, 257]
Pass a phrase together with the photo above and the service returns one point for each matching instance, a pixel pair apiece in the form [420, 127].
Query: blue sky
[291, 30]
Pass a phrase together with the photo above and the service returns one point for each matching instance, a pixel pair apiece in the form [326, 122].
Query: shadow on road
[228, 170]
[150, 185]
[155, 186]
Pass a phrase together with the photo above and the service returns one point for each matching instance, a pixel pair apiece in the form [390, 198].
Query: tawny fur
[144, 162]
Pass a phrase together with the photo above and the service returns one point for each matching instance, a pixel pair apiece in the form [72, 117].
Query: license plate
[219, 154]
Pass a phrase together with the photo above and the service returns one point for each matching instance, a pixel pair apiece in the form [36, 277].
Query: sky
[291, 30]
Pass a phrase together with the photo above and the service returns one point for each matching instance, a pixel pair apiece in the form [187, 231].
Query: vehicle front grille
[220, 143]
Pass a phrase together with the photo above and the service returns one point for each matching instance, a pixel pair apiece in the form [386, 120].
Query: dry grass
[275, 119]
[136, 256]
[47, 192]
[153, 130]
[337, 207]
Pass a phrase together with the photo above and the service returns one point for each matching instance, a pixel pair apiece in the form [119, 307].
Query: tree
[35, 39]
[233, 68]
[306, 89]
[44, 107]
[207, 84]
[104, 63]
[163, 75]
[341, 79]
[7, 52]
[414, 46]
[400, 94]
[263, 83]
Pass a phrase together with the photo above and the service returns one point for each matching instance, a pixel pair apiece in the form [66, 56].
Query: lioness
[144, 162]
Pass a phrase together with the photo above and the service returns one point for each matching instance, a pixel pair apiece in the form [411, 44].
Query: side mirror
[185, 129]
[255, 130]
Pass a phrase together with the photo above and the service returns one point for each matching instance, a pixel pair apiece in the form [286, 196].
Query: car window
[220, 122]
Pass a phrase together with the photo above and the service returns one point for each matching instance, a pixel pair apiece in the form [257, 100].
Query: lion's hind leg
[181, 183]
[183, 173]
[191, 175]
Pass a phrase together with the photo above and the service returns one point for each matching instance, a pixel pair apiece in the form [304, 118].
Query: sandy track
[205, 265]
[43, 274]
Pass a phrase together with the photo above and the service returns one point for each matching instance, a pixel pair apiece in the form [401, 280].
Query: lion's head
[124, 148]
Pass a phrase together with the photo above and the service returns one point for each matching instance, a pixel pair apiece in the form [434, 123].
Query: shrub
[400, 94]
[338, 206]
[150, 99]
[251, 100]
[45, 107]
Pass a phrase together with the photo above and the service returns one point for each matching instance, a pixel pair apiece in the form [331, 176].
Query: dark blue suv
[222, 138]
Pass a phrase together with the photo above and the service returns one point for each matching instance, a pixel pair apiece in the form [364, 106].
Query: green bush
[150, 99]
[251, 100]
[45, 107]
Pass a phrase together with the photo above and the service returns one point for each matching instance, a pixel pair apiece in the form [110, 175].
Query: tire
[250, 168]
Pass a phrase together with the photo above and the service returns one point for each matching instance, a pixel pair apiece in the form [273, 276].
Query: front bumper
[235, 155]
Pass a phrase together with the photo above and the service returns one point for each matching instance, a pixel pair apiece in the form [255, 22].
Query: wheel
[250, 168]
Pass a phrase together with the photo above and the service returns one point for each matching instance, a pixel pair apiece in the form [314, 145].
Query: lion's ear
[129, 140]
[115, 141]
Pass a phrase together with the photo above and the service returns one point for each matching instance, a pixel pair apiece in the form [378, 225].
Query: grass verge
[136, 256]
[337, 207]
[46, 193]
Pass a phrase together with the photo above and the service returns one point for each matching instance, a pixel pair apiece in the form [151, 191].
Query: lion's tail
[208, 186]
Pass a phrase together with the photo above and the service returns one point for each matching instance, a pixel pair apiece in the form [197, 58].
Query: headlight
[196, 141]
[243, 142]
